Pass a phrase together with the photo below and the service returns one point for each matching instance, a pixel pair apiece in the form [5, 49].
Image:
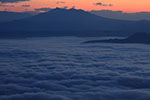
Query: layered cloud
[63, 69]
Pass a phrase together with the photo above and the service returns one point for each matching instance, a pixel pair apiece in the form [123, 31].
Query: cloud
[60, 2]
[37, 69]
[12, 1]
[107, 5]
[4, 5]
[25, 5]
[42, 9]
[101, 4]
[34, 96]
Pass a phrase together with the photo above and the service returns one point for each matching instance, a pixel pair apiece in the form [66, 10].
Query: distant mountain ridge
[140, 37]
[65, 19]
[72, 22]
[6, 16]
[121, 15]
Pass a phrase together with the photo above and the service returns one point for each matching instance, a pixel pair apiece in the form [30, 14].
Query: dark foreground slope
[143, 38]
[69, 22]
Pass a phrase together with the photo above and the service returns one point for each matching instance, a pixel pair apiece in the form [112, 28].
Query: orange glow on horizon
[121, 5]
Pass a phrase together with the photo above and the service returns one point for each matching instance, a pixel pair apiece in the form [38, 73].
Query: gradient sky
[123, 5]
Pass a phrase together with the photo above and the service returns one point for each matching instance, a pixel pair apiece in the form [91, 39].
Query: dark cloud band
[12, 1]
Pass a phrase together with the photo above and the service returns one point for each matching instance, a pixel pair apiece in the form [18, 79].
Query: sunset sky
[123, 5]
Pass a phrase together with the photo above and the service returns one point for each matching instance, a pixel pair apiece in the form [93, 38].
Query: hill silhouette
[69, 22]
[6, 16]
[65, 19]
[122, 15]
[140, 37]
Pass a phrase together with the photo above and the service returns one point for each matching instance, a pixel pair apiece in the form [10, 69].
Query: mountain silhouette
[6, 16]
[72, 22]
[140, 37]
[65, 19]
[122, 15]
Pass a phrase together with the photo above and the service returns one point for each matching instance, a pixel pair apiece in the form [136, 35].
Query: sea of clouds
[64, 69]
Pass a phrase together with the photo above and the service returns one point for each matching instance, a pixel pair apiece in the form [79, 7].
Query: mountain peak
[66, 10]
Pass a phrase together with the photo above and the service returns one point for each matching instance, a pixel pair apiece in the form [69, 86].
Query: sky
[115, 5]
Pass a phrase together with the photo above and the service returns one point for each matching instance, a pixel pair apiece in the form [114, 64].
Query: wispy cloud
[102, 4]
[25, 6]
[60, 2]
[5, 5]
